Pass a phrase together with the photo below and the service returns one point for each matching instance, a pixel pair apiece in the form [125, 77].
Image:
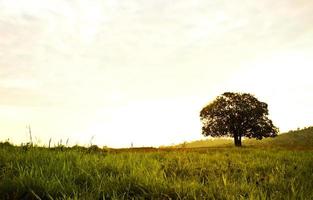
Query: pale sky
[120, 72]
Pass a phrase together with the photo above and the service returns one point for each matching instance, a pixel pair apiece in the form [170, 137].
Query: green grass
[226, 172]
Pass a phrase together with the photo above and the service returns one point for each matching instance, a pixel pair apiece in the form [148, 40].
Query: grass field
[279, 168]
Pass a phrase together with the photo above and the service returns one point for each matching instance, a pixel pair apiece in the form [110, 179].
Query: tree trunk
[237, 139]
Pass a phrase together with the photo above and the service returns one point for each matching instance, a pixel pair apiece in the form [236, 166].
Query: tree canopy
[237, 115]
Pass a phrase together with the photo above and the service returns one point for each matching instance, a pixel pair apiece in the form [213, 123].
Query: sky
[117, 72]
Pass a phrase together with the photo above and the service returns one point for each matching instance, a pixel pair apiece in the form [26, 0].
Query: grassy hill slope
[302, 138]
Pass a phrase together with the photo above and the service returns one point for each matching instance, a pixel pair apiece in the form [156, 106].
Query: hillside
[302, 138]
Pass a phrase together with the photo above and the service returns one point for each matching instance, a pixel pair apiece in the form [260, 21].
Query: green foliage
[237, 115]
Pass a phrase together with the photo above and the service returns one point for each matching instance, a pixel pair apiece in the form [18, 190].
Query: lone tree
[237, 115]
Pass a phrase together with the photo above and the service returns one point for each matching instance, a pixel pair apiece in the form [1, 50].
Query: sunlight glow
[120, 72]
[281, 81]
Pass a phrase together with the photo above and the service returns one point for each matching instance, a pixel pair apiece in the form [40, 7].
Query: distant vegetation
[220, 171]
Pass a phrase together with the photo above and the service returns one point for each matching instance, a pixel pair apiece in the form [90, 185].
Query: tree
[237, 115]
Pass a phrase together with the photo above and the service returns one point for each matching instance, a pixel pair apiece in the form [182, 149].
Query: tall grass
[224, 173]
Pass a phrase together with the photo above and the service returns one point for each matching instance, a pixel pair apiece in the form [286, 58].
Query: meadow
[279, 168]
